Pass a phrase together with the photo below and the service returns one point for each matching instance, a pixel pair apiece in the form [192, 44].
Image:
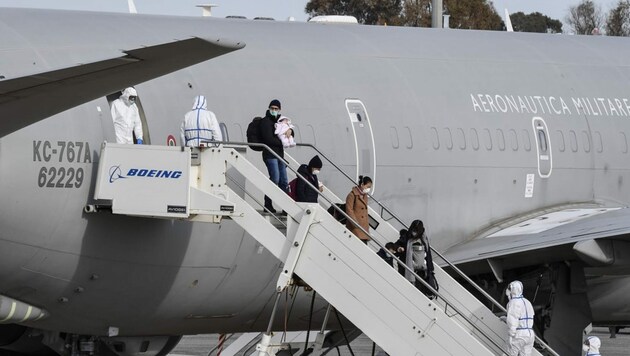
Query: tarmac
[202, 345]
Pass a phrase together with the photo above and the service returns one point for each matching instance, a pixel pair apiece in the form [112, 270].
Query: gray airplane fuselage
[452, 140]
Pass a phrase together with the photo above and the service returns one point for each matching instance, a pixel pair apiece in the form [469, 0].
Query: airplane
[511, 147]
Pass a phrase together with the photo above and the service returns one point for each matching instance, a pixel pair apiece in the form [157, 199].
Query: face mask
[273, 113]
[366, 190]
[508, 294]
[316, 171]
[585, 348]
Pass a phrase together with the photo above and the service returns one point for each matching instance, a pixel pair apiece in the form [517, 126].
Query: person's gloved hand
[139, 141]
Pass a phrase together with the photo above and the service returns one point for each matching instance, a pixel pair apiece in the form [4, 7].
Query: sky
[278, 9]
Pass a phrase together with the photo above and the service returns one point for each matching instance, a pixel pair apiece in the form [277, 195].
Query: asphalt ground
[201, 345]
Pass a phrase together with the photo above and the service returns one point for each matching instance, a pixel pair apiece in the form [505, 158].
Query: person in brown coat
[357, 208]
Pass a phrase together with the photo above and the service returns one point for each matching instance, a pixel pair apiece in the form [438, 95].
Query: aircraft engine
[17, 340]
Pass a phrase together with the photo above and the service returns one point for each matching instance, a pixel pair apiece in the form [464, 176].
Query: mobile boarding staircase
[169, 182]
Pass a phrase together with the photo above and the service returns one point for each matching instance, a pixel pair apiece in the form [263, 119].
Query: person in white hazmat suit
[520, 321]
[127, 118]
[200, 125]
[591, 346]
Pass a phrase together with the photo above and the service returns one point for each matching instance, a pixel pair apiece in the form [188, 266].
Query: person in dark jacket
[418, 257]
[276, 167]
[391, 247]
[303, 192]
[401, 244]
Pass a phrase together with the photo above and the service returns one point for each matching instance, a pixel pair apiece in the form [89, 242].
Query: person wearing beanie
[276, 167]
[305, 193]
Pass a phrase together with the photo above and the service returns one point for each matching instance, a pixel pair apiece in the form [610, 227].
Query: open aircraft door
[543, 147]
[363, 140]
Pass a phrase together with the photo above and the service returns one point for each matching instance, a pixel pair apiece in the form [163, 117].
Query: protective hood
[515, 289]
[200, 103]
[127, 93]
[594, 343]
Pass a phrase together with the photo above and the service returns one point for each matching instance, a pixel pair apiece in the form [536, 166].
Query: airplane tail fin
[508, 21]
[132, 7]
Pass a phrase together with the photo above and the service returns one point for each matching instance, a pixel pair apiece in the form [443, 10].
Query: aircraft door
[363, 139]
[543, 147]
[145, 127]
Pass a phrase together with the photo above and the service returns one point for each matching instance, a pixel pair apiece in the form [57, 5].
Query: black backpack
[336, 214]
[253, 133]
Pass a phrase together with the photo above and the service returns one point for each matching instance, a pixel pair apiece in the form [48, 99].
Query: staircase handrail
[449, 263]
[413, 273]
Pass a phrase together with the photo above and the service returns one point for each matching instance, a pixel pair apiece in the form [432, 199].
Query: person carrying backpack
[419, 258]
[276, 167]
[304, 193]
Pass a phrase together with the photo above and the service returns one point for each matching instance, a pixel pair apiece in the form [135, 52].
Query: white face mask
[585, 348]
[366, 190]
[316, 171]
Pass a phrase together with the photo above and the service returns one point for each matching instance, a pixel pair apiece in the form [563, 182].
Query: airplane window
[488, 139]
[624, 142]
[448, 138]
[393, 135]
[586, 141]
[461, 137]
[436, 138]
[598, 142]
[359, 117]
[560, 139]
[513, 140]
[500, 140]
[474, 139]
[410, 144]
[542, 141]
[573, 140]
[224, 131]
[527, 144]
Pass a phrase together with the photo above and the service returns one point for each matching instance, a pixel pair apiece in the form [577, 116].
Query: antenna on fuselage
[206, 9]
[132, 7]
[508, 22]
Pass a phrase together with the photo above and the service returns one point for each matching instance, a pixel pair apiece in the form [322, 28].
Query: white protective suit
[200, 125]
[126, 117]
[520, 322]
[592, 345]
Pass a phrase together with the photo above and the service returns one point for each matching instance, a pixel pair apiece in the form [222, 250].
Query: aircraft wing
[547, 238]
[30, 98]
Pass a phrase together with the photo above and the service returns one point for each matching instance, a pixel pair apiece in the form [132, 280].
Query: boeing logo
[115, 173]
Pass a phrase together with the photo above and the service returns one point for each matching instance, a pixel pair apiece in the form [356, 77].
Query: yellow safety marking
[28, 314]
[13, 307]
[41, 315]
